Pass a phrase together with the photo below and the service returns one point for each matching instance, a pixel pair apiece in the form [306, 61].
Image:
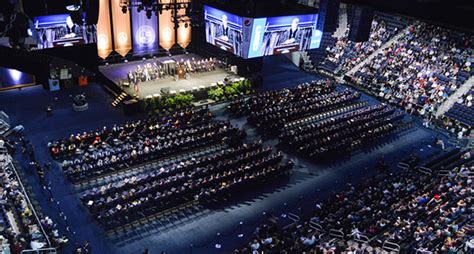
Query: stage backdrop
[145, 32]
[184, 33]
[104, 33]
[167, 31]
[121, 21]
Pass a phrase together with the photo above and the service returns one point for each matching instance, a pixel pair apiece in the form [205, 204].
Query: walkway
[455, 96]
[375, 53]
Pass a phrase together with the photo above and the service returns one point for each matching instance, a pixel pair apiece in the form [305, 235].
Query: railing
[403, 165]
[360, 238]
[423, 252]
[294, 217]
[336, 233]
[40, 251]
[425, 170]
[391, 246]
[38, 221]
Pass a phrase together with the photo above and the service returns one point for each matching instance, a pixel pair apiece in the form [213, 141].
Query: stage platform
[118, 72]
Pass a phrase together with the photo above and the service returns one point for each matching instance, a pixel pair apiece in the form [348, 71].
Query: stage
[118, 73]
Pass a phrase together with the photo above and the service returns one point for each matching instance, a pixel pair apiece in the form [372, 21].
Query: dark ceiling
[456, 13]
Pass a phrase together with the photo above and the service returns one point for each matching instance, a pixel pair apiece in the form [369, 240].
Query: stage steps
[119, 99]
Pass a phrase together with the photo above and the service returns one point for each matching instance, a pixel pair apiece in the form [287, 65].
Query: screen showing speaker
[63, 30]
[223, 30]
[257, 37]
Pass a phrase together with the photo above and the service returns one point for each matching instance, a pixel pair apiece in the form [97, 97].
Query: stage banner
[167, 31]
[104, 32]
[145, 32]
[121, 28]
[184, 31]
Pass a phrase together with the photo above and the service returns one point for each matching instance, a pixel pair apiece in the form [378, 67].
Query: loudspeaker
[361, 23]
[54, 85]
[92, 11]
[166, 90]
[131, 107]
[328, 16]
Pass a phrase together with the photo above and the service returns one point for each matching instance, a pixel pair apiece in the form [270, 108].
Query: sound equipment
[361, 23]
[54, 85]
[131, 107]
[92, 11]
[328, 15]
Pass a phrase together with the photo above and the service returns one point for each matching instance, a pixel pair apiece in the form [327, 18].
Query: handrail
[293, 217]
[360, 238]
[403, 165]
[425, 170]
[423, 252]
[336, 233]
[41, 251]
[391, 246]
[10, 163]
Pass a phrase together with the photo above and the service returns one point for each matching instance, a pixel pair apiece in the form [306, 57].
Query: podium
[169, 67]
[181, 73]
[225, 45]
[286, 48]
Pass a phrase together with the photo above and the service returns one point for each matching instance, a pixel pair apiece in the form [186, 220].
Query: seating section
[421, 70]
[199, 178]
[406, 211]
[345, 54]
[144, 168]
[460, 118]
[343, 133]
[19, 227]
[316, 120]
[97, 153]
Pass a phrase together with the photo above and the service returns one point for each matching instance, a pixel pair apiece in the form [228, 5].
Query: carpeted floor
[197, 233]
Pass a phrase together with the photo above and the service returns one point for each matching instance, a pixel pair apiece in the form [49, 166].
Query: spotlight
[73, 5]
[124, 9]
[160, 9]
[148, 14]
[140, 8]
[186, 25]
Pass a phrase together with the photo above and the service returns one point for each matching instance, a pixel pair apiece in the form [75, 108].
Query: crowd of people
[157, 70]
[96, 153]
[342, 133]
[345, 54]
[459, 120]
[419, 71]
[20, 229]
[414, 210]
[199, 178]
[270, 111]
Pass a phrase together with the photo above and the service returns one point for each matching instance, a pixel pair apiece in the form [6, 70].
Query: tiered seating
[200, 178]
[460, 118]
[342, 133]
[19, 225]
[104, 152]
[271, 110]
[345, 54]
[405, 211]
[420, 71]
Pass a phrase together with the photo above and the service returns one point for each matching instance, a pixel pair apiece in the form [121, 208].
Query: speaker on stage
[54, 85]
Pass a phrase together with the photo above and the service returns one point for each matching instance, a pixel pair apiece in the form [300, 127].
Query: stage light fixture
[73, 5]
[124, 9]
[148, 14]
[140, 8]
[186, 25]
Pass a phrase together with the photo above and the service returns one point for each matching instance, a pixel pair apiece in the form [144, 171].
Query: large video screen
[223, 30]
[62, 30]
[257, 37]
[280, 35]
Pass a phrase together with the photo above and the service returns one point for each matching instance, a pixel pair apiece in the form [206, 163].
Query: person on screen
[225, 28]
[72, 29]
[293, 34]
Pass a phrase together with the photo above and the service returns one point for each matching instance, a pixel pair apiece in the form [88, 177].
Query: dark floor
[310, 182]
